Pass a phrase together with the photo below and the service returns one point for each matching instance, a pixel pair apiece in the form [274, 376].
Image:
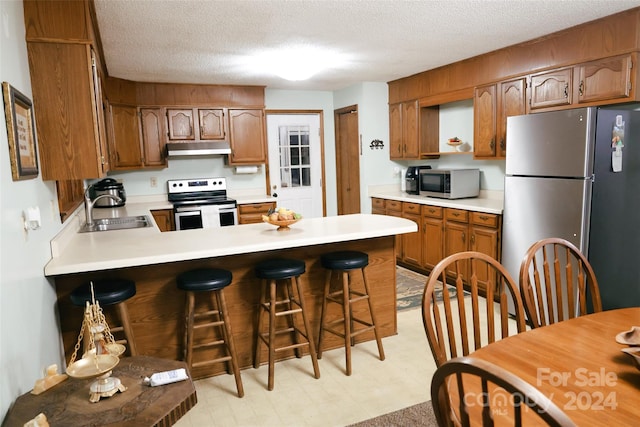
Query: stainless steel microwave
[450, 183]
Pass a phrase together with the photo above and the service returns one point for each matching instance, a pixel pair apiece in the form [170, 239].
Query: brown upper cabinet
[195, 124]
[492, 105]
[413, 130]
[608, 78]
[136, 137]
[403, 130]
[247, 137]
[69, 110]
[605, 80]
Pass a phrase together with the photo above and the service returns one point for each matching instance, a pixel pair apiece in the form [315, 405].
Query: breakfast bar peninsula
[153, 260]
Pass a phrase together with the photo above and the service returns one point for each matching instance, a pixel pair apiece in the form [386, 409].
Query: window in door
[295, 160]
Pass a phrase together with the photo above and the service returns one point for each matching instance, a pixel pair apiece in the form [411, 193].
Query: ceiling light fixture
[296, 63]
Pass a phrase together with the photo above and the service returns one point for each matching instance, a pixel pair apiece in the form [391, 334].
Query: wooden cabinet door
[456, 240]
[181, 124]
[68, 111]
[153, 136]
[211, 123]
[395, 131]
[410, 130]
[399, 237]
[412, 242]
[433, 250]
[512, 102]
[126, 150]
[164, 219]
[608, 78]
[70, 196]
[246, 137]
[484, 118]
[551, 88]
[485, 240]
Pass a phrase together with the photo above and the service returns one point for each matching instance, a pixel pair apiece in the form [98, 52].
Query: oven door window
[227, 218]
[188, 220]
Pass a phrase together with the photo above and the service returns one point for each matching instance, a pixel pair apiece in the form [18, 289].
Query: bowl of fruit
[282, 218]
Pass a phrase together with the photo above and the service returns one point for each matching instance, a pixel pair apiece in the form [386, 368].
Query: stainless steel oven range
[201, 203]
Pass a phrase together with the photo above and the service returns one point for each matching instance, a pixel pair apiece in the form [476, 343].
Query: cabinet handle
[492, 144]
[201, 130]
[483, 217]
[502, 145]
[566, 90]
[455, 214]
[581, 88]
[432, 210]
[464, 237]
[473, 239]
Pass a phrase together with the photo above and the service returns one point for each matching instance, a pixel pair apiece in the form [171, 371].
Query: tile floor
[298, 399]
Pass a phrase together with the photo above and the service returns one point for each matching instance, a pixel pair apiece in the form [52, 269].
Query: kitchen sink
[121, 223]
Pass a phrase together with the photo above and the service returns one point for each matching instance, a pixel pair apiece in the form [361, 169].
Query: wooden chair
[466, 389]
[452, 325]
[555, 278]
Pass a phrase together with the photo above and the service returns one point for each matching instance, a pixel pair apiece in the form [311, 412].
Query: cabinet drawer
[486, 219]
[255, 208]
[377, 203]
[458, 215]
[393, 205]
[432, 211]
[411, 208]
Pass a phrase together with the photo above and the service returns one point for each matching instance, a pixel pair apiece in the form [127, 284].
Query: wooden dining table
[578, 364]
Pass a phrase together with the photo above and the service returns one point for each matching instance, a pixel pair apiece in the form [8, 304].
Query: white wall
[29, 335]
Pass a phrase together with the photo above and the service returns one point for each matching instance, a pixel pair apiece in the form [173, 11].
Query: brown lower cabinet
[442, 232]
[164, 219]
[251, 213]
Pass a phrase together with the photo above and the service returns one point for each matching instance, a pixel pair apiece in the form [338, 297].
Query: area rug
[410, 287]
[416, 415]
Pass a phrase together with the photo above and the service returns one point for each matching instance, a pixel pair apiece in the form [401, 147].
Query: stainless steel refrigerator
[560, 182]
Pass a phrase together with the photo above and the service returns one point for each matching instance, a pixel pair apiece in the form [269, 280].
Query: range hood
[209, 148]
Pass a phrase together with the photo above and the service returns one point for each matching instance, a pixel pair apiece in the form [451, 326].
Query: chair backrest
[554, 280]
[466, 390]
[460, 324]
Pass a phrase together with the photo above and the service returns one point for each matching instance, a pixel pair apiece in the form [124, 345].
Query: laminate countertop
[488, 201]
[74, 252]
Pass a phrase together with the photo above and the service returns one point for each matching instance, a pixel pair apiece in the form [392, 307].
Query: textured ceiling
[199, 41]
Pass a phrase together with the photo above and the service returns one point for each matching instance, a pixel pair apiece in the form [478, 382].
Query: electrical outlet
[154, 182]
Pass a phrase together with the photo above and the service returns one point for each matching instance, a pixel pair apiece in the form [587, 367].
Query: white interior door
[295, 161]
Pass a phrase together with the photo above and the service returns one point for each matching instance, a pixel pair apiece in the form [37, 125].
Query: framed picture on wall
[18, 111]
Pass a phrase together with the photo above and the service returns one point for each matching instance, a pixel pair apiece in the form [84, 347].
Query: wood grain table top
[578, 364]
[67, 404]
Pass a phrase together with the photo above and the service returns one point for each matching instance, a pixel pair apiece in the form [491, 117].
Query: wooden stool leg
[290, 296]
[373, 316]
[346, 308]
[126, 325]
[222, 306]
[323, 314]
[272, 332]
[188, 324]
[261, 308]
[307, 328]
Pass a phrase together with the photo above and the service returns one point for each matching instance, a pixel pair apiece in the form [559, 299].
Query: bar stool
[212, 280]
[346, 262]
[110, 292]
[286, 272]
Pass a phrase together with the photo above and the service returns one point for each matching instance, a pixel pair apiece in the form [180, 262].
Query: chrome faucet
[88, 205]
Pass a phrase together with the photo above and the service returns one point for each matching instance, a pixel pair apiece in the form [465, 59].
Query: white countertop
[488, 201]
[74, 252]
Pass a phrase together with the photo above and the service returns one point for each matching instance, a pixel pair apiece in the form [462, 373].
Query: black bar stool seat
[287, 304]
[346, 263]
[212, 280]
[110, 292]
